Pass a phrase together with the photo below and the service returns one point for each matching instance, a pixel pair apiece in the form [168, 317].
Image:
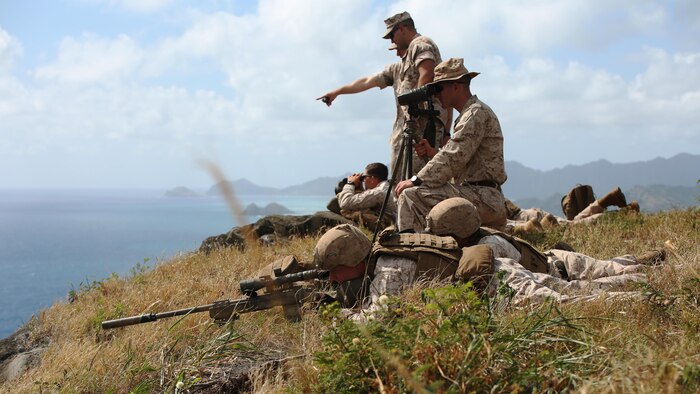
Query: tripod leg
[390, 190]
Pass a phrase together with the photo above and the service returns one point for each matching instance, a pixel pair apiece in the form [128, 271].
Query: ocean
[52, 241]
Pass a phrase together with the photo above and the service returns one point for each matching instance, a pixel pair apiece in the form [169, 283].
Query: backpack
[576, 200]
[530, 258]
[435, 256]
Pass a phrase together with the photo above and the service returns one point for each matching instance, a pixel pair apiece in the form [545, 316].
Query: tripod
[405, 157]
[406, 151]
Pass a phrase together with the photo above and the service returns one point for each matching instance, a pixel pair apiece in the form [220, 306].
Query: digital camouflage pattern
[391, 76]
[421, 48]
[570, 275]
[473, 154]
[454, 216]
[394, 20]
[391, 275]
[415, 203]
[344, 244]
[581, 267]
[369, 199]
[531, 287]
[451, 70]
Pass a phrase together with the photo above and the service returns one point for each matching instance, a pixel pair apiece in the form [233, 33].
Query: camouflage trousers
[391, 275]
[532, 213]
[592, 209]
[581, 267]
[589, 215]
[415, 203]
[586, 277]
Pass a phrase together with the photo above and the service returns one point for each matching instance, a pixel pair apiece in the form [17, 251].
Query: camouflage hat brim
[393, 21]
[451, 70]
[387, 33]
[471, 75]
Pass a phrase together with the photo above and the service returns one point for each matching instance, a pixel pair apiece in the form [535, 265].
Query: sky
[140, 93]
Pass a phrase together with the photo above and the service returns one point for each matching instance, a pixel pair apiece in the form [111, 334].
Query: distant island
[269, 209]
[657, 184]
[181, 191]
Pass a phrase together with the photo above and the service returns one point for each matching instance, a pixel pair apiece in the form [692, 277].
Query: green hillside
[435, 338]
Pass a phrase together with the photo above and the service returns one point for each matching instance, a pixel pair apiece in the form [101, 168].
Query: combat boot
[549, 221]
[529, 227]
[633, 206]
[652, 257]
[614, 197]
[561, 245]
[512, 210]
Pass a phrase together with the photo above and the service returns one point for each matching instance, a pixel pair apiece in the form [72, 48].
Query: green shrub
[453, 343]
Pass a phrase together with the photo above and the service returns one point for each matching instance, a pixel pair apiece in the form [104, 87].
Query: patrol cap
[391, 22]
[344, 245]
[454, 216]
[451, 69]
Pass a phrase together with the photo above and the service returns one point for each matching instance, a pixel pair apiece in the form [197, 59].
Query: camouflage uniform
[420, 49]
[391, 76]
[539, 215]
[531, 287]
[570, 274]
[473, 157]
[391, 275]
[368, 199]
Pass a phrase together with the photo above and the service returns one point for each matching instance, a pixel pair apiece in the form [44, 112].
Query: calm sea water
[54, 241]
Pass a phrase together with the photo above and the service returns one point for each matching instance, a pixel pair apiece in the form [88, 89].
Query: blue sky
[129, 93]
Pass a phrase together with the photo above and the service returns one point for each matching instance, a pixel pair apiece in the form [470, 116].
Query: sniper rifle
[282, 290]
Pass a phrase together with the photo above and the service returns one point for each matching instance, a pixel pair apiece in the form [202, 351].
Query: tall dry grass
[638, 345]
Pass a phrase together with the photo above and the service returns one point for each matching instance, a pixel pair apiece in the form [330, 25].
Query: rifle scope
[250, 286]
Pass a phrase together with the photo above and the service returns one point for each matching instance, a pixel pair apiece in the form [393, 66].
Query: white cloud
[134, 6]
[142, 5]
[10, 50]
[107, 96]
[688, 12]
[93, 60]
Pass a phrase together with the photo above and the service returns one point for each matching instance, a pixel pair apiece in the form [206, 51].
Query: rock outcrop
[19, 353]
[181, 191]
[273, 228]
[270, 209]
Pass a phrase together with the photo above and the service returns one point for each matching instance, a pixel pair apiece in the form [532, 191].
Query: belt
[492, 184]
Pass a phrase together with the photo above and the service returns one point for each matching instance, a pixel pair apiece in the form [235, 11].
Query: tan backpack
[577, 200]
[530, 258]
[436, 257]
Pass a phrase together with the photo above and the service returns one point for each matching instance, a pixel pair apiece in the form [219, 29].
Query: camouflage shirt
[368, 199]
[391, 76]
[475, 152]
[421, 48]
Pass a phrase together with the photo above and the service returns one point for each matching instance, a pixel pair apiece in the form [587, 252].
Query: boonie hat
[391, 22]
[344, 245]
[451, 70]
[454, 216]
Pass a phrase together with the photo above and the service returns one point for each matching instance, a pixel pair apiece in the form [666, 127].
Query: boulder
[18, 353]
[275, 228]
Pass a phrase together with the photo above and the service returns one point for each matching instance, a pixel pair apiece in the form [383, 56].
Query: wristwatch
[416, 181]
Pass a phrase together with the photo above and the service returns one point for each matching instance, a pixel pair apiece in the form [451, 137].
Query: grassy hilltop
[433, 339]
